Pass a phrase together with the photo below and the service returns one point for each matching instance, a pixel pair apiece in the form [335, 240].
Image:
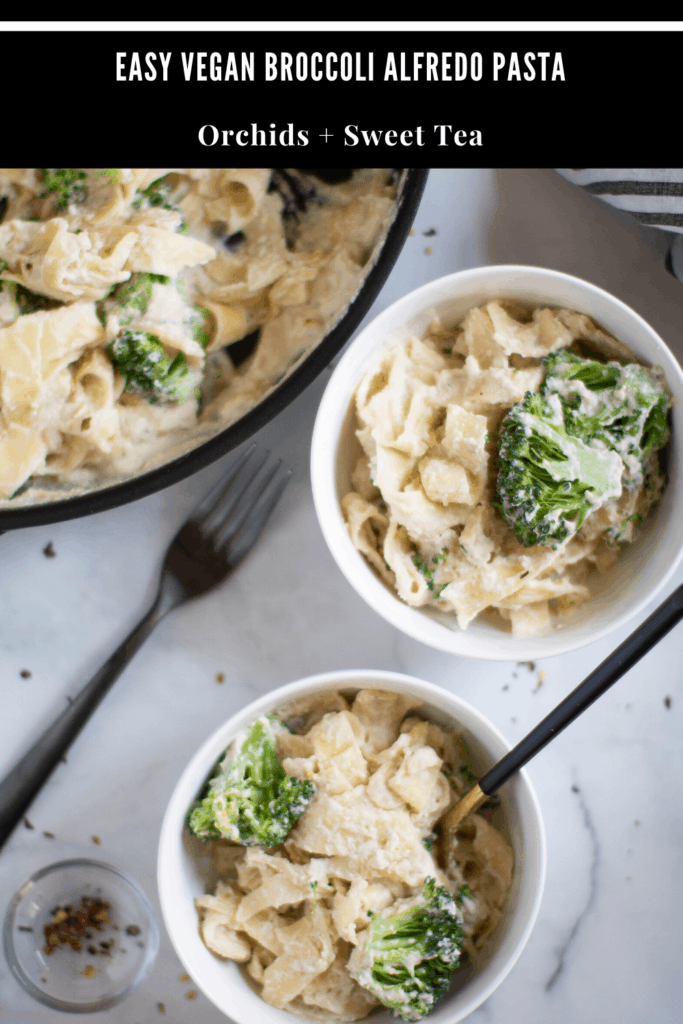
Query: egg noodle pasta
[120, 290]
[424, 510]
[296, 916]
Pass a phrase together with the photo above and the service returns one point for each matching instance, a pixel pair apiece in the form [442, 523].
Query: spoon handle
[593, 686]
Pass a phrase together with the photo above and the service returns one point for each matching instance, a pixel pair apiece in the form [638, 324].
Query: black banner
[329, 98]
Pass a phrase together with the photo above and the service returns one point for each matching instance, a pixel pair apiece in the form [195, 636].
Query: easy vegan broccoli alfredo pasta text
[342, 885]
[504, 460]
[123, 290]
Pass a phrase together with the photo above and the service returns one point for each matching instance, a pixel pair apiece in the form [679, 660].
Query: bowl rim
[105, 498]
[324, 458]
[205, 756]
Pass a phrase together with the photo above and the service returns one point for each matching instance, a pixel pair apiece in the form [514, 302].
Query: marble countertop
[603, 949]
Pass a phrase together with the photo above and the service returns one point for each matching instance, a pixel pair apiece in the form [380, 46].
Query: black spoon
[600, 679]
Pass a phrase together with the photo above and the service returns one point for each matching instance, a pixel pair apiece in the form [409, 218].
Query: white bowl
[643, 567]
[182, 873]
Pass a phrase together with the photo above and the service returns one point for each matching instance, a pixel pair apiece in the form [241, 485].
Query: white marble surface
[604, 948]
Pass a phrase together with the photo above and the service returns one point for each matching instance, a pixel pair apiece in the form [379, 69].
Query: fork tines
[236, 511]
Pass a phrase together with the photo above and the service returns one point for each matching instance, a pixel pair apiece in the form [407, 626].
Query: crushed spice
[49, 550]
[70, 925]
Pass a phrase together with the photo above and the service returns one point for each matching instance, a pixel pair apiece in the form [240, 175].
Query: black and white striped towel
[653, 195]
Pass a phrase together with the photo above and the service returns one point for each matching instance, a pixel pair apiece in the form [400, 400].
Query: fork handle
[23, 782]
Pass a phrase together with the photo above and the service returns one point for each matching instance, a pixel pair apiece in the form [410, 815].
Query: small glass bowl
[112, 960]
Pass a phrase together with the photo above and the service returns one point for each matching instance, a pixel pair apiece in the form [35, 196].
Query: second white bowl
[183, 873]
[643, 568]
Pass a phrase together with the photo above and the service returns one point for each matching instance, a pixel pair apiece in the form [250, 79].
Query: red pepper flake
[70, 925]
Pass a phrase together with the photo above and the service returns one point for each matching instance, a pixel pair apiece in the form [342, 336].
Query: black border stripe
[658, 219]
[634, 188]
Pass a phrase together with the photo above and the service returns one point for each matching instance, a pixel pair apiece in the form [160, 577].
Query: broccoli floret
[157, 194]
[141, 358]
[24, 300]
[624, 407]
[572, 447]
[409, 957]
[131, 298]
[251, 800]
[64, 185]
[198, 322]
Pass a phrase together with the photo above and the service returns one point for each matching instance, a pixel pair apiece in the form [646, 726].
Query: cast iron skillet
[411, 187]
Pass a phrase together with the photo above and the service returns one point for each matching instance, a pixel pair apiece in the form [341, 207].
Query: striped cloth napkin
[653, 195]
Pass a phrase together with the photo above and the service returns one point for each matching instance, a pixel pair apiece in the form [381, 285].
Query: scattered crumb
[412, 231]
[161, 1008]
[132, 929]
[185, 977]
[627, 706]
[430, 233]
[636, 823]
[667, 702]
[191, 994]
[25, 673]
[44, 981]
[96, 840]
[49, 550]
[49, 835]
[428, 251]
[220, 677]
[575, 789]
[506, 687]
[539, 682]
[28, 824]
[89, 971]
[531, 665]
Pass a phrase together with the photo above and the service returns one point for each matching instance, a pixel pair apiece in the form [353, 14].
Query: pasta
[215, 254]
[385, 778]
[422, 509]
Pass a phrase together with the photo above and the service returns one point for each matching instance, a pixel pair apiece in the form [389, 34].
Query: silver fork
[218, 535]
